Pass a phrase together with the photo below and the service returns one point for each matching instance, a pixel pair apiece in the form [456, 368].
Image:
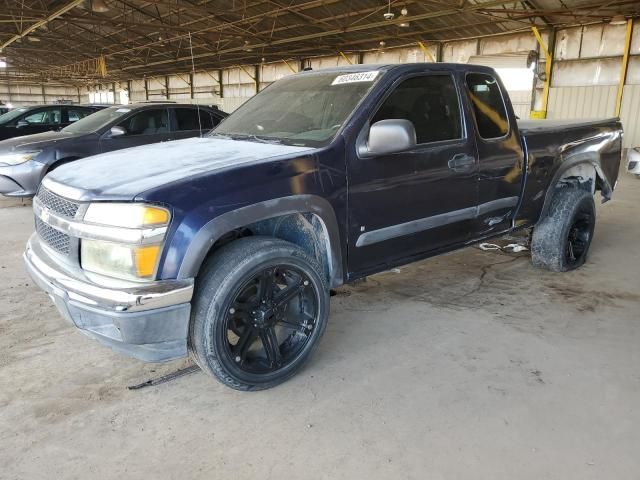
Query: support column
[625, 66]
[256, 77]
[547, 71]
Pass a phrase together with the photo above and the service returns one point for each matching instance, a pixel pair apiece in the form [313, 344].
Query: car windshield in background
[7, 117]
[96, 121]
[305, 109]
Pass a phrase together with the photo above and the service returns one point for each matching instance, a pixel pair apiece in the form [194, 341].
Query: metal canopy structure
[76, 41]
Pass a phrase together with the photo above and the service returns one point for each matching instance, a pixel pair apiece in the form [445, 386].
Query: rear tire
[561, 241]
[259, 310]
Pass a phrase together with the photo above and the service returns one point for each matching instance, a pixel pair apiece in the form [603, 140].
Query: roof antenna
[193, 79]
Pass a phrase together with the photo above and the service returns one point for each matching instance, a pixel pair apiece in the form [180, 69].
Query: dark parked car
[42, 118]
[226, 246]
[25, 160]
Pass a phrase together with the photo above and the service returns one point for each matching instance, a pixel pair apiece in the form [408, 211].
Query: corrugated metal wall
[582, 102]
[630, 115]
[586, 74]
[30, 94]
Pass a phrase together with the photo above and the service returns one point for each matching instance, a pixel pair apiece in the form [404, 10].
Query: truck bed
[549, 126]
[552, 146]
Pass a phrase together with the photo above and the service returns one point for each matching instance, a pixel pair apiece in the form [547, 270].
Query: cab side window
[430, 102]
[44, 117]
[488, 105]
[147, 122]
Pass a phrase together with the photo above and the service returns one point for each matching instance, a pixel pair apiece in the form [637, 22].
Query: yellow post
[346, 58]
[426, 52]
[289, 65]
[625, 66]
[547, 72]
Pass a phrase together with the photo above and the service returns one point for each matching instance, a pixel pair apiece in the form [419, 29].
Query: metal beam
[44, 21]
[335, 32]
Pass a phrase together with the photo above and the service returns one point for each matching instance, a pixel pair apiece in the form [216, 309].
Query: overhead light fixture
[33, 39]
[404, 25]
[389, 15]
[247, 47]
[404, 12]
[618, 20]
[98, 6]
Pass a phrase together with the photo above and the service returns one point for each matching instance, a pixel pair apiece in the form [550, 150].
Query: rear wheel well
[307, 230]
[582, 176]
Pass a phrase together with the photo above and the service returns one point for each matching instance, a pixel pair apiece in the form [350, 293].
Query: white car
[633, 161]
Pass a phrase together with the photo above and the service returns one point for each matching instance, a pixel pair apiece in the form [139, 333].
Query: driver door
[405, 204]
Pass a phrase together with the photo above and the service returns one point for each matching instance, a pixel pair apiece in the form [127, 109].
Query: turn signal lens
[146, 260]
[155, 216]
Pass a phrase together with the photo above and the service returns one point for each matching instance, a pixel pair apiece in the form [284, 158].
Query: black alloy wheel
[271, 319]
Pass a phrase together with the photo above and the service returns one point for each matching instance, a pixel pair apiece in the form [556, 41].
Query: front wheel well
[307, 230]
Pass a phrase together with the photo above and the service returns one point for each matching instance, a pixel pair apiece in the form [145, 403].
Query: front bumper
[148, 321]
[21, 180]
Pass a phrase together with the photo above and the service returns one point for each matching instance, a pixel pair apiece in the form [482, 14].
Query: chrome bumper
[147, 321]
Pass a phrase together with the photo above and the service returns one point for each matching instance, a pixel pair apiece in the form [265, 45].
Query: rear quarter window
[488, 105]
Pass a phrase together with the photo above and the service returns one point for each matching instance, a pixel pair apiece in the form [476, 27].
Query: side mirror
[391, 136]
[22, 124]
[118, 131]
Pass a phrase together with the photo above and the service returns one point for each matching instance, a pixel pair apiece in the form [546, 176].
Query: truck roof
[365, 67]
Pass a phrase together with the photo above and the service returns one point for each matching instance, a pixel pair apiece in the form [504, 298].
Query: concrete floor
[471, 365]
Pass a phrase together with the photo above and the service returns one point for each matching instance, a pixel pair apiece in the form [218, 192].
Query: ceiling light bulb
[404, 25]
[404, 11]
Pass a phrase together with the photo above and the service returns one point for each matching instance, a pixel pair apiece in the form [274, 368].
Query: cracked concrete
[470, 365]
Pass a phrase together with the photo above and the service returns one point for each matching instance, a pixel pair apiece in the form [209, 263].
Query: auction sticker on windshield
[355, 77]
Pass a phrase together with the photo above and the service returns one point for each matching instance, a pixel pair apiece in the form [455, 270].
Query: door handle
[462, 162]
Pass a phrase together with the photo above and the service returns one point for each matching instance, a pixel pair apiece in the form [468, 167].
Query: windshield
[305, 110]
[7, 117]
[95, 121]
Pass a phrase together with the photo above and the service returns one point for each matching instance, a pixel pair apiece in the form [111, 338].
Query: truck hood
[124, 174]
[36, 141]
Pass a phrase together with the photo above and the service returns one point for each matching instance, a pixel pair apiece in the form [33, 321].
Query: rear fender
[581, 170]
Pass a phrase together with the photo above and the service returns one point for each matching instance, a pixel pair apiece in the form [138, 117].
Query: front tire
[561, 241]
[259, 311]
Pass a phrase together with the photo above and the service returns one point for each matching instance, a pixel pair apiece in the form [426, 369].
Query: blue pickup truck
[226, 247]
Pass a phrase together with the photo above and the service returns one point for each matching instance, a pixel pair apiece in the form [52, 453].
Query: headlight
[127, 215]
[121, 257]
[18, 158]
[121, 261]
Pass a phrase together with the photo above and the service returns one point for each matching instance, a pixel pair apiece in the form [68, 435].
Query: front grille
[55, 239]
[57, 204]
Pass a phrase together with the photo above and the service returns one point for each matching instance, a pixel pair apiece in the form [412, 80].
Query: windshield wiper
[255, 138]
